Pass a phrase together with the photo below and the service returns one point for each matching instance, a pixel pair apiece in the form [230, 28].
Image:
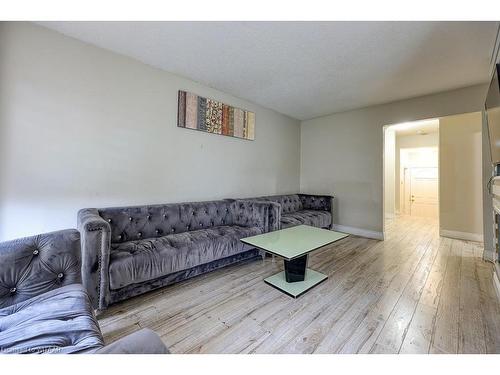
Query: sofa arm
[34, 265]
[96, 245]
[263, 214]
[144, 341]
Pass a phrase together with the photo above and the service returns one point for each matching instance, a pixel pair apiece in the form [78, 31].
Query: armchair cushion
[58, 321]
[138, 261]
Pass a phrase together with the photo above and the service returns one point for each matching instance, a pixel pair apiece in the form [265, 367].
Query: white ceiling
[306, 69]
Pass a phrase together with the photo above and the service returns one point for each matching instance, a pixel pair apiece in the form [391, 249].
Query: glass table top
[295, 241]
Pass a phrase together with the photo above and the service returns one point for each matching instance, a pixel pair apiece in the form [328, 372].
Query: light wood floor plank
[445, 331]
[363, 338]
[396, 326]
[403, 264]
[419, 334]
[471, 326]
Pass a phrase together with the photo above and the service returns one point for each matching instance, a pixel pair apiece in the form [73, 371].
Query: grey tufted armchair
[43, 306]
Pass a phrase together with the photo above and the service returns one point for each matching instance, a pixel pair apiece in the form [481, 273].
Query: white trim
[461, 235]
[496, 205]
[495, 189]
[496, 282]
[490, 255]
[389, 215]
[495, 54]
[359, 232]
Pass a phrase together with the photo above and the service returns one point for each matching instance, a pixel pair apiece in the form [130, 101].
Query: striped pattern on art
[212, 116]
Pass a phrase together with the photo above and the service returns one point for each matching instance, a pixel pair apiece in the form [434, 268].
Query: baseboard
[359, 232]
[461, 235]
[389, 216]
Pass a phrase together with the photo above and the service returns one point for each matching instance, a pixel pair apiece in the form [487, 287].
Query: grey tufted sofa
[44, 309]
[130, 250]
[297, 209]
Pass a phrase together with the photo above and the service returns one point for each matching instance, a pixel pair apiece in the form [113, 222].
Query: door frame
[402, 191]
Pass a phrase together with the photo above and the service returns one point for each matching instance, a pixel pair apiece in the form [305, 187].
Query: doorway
[411, 171]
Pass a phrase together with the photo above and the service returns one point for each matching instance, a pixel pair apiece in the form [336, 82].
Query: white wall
[341, 154]
[460, 176]
[84, 127]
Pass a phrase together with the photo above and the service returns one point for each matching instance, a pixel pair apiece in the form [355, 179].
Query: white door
[424, 192]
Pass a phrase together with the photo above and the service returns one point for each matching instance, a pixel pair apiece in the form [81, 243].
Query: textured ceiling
[306, 69]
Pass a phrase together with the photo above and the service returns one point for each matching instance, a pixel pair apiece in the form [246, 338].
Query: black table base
[295, 269]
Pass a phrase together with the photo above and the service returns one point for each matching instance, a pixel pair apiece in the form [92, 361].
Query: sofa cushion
[288, 221]
[315, 218]
[138, 261]
[58, 321]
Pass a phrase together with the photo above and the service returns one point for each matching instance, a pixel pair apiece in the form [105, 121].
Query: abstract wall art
[212, 116]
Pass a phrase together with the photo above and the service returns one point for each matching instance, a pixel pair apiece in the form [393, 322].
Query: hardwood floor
[415, 292]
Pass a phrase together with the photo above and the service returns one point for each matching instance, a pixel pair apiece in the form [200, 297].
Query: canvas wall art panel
[212, 116]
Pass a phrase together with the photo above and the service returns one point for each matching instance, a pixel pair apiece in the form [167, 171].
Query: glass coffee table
[293, 245]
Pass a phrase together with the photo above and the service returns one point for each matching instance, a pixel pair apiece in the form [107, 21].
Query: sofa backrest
[297, 202]
[140, 222]
[289, 203]
[34, 265]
